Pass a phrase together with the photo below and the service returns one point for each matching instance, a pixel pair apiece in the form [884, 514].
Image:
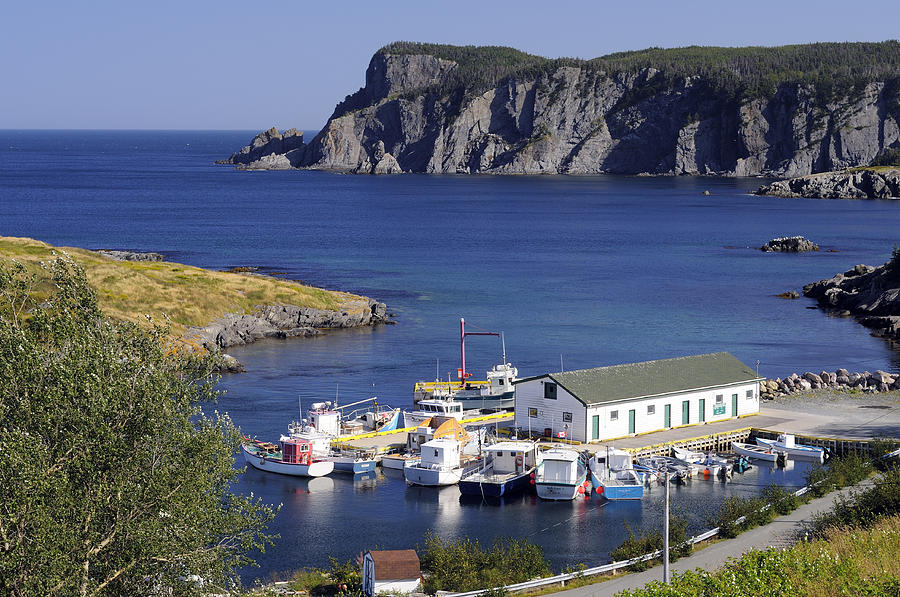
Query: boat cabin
[613, 459]
[511, 457]
[559, 466]
[324, 419]
[443, 453]
[435, 428]
[296, 451]
[440, 407]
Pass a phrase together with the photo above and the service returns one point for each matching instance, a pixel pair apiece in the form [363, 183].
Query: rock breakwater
[789, 244]
[841, 379]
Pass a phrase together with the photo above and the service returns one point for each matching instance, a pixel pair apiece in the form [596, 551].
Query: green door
[734, 405]
[595, 427]
[667, 416]
[702, 408]
[685, 412]
[631, 421]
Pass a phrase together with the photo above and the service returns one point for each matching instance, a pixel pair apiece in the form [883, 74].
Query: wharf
[386, 441]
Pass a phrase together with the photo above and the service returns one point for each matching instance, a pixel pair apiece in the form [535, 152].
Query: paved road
[781, 533]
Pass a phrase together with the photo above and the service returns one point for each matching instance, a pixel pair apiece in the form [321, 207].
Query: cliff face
[573, 120]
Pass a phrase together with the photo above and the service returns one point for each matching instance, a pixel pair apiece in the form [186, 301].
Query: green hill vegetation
[180, 294]
[737, 72]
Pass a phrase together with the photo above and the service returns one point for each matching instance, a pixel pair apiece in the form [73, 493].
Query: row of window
[614, 414]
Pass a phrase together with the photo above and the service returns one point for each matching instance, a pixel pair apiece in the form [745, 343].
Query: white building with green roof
[622, 400]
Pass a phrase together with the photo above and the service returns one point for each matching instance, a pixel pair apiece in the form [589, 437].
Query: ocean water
[578, 271]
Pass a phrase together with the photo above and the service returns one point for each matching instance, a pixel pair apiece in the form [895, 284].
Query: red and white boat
[294, 457]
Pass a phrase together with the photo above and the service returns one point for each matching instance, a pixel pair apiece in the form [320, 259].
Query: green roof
[654, 378]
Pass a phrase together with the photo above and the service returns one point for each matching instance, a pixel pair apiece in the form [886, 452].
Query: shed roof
[395, 564]
[652, 378]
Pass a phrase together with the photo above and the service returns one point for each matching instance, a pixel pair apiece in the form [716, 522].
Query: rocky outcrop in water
[842, 379]
[880, 183]
[789, 244]
[411, 116]
[270, 150]
[284, 321]
[131, 255]
[871, 294]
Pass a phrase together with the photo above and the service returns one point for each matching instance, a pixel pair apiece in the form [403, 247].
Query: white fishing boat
[321, 428]
[496, 392]
[440, 464]
[292, 457]
[434, 407]
[561, 475]
[707, 464]
[433, 428]
[613, 475]
[506, 469]
[768, 453]
[655, 467]
[786, 443]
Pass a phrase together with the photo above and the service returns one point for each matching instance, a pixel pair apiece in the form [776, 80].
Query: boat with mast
[293, 457]
[496, 392]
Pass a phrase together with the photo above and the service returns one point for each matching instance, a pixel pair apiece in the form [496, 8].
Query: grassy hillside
[186, 295]
[738, 72]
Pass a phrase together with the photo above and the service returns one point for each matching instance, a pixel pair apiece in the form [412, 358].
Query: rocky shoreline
[868, 183]
[841, 379]
[870, 294]
[281, 321]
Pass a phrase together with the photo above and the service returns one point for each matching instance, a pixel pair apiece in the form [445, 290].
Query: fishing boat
[655, 467]
[432, 428]
[321, 428]
[708, 464]
[561, 475]
[786, 443]
[496, 392]
[506, 470]
[766, 453]
[293, 457]
[613, 475]
[440, 464]
[434, 407]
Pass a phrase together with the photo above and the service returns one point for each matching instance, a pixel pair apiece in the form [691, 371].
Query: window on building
[749, 394]
[613, 415]
[567, 417]
[720, 398]
[651, 409]
[549, 390]
[532, 412]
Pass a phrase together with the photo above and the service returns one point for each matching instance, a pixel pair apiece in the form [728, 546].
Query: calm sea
[585, 271]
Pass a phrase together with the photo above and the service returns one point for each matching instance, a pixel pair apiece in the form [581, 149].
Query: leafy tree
[113, 481]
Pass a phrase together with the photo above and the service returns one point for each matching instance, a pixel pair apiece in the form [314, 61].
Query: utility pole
[666, 531]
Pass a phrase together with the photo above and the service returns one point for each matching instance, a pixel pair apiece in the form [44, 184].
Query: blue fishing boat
[613, 475]
[506, 471]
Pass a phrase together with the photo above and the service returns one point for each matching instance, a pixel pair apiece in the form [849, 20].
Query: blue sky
[196, 64]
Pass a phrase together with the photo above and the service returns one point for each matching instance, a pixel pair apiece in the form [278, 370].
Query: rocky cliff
[869, 183]
[871, 294]
[420, 112]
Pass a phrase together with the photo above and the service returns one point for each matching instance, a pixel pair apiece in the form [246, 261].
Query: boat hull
[558, 491]
[348, 464]
[759, 453]
[272, 465]
[398, 462]
[431, 477]
[613, 491]
[796, 452]
[511, 486]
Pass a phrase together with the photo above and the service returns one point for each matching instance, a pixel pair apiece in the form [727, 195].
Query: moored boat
[293, 457]
[440, 464]
[767, 453]
[657, 466]
[506, 470]
[321, 429]
[708, 464]
[496, 392]
[786, 443]
[561, 475]
[613, 475]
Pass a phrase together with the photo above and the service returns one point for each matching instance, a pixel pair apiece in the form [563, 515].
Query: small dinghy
[753, 451]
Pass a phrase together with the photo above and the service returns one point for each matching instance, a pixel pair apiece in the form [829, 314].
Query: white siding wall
[550, 413]
[530, 394]
[397, 587]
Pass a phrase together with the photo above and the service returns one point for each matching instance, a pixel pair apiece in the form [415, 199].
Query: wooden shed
[394, 572]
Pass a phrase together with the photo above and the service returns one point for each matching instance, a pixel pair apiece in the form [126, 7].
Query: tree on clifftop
[112, 479]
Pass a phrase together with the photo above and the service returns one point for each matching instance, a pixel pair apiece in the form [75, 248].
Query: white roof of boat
[513, 446]
[441, 442]
[561, 454]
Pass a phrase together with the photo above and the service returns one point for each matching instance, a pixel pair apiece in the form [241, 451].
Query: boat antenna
[300, 407]
[336, 389]
[561, 368]
[503, 343]
[437, 369]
